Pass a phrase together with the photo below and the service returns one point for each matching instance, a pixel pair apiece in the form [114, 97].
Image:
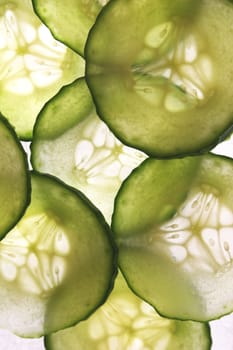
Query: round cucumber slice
[63, 18]
[34, 66]
[164, 83]
[72, 143]
[127, 322]
[177, 254]
[14, 178]
[57, 265]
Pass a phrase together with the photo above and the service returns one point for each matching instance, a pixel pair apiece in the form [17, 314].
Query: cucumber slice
[72, 143]
[177, 254]
[57, 265]
[14, 178]
[76, 17]
[164, 84]
[126, 322]
[33, 65]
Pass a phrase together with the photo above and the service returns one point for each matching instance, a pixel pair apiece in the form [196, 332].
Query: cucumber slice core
[34, 66]
[177, 255]
[57, 264]
[93, 160]
[159, 86]
[127, 322]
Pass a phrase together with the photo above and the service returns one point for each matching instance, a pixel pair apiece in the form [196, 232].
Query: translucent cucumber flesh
[14, 178]
[212, 221]
[35, 255]
[186, 71]
[75, 17]
[50, 260]
[93, 159]
[127, 322]
[163, 91]
[181, 265]
[37, 271]
[34, 66]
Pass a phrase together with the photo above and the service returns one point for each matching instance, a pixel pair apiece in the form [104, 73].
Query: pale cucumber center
[174, 70]
[101, 159]
[34, 255]
[200, 236]
[126, 322]
[30, 57]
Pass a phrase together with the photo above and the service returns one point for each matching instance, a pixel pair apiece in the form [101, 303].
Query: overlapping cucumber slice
[161, 73]
[173, 222]
[69, 21]
[57, 265]
[14, 178]
[33, 65]
[126, 322]
[72, 143]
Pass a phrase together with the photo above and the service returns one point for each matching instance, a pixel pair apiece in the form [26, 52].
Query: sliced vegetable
[161, 73]
[57, 265]
[33, 65]
[173, 223]
[70, 21]
[14, 178]
[127, 322]
[72, 143]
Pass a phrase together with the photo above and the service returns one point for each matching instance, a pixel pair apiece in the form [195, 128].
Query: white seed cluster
[200, 236]
[125, 323]
[102, 162]
[30, 57]
[102, 158]
[33, 255]
[182, 76]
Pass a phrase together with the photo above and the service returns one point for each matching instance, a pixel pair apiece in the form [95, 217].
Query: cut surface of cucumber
[33, 65]
[178, 252]
[126, 322]
[164, 84]
[70, 21]
[57, 264]
[14, 178]
[72, 143]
